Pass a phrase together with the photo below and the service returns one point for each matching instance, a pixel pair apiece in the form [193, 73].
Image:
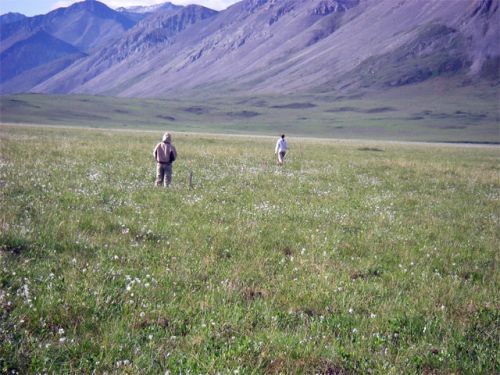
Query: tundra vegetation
[355, 257]
[431, 112]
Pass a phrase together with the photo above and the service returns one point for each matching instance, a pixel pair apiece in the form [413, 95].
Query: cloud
[213, 4]
[62, 4]
[128, 3]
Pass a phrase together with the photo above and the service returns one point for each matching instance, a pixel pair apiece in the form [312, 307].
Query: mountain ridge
[289, 46]
[11, 17]
[77, 25]
[86, 26]
[261, 46]
[22, 52]
[146, 37]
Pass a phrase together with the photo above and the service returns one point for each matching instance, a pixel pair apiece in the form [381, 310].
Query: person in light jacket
[281, 149]
[164, 154]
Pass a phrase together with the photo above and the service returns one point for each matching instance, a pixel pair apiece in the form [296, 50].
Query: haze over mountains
[254, 46]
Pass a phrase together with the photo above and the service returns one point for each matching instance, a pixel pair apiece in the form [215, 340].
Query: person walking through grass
[281, 149]
[164, 154]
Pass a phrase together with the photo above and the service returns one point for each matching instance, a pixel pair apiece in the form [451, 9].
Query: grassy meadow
[436, 111]
[353, 258]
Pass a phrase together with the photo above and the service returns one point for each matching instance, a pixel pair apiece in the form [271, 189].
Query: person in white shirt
[281, 149]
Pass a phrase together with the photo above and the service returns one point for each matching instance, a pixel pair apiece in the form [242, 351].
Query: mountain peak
[11, 17]
[92, 6]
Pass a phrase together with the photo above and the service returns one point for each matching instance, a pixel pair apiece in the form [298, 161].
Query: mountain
[33, 60]
[65, 34]
[460, 40]
[481, 26]
[29, 78]
[20, 57]
[147, 40]
[286, 46]
[11, 17]
[86, 25]
[221, 46]
[290, 46]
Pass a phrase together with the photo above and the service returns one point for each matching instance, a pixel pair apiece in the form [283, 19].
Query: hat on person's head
[167, 137]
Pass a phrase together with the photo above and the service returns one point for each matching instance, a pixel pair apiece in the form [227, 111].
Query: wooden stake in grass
[190, 179]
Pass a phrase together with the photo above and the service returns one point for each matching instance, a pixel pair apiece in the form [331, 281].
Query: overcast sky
[34, 7]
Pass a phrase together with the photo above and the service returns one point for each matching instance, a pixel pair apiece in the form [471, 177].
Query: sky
[35, 7]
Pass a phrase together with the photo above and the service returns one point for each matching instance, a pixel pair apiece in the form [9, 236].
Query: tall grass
[352, 258]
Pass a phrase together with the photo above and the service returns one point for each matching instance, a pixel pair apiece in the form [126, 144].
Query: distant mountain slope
[86, 25]
[285, 46]
[30, 46]
[274, 46]
[29, 78]
[464, 40]
[481, 25]
[39, 49]
[122, 62]
[241, 34]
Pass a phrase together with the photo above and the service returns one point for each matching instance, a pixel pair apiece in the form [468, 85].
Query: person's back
[164, 154]
[281, 149]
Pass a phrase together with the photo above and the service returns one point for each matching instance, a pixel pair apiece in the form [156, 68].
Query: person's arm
[155, 152]
[277, 147]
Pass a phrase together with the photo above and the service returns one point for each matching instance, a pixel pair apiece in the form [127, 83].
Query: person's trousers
[163, 174]
[281, 156]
